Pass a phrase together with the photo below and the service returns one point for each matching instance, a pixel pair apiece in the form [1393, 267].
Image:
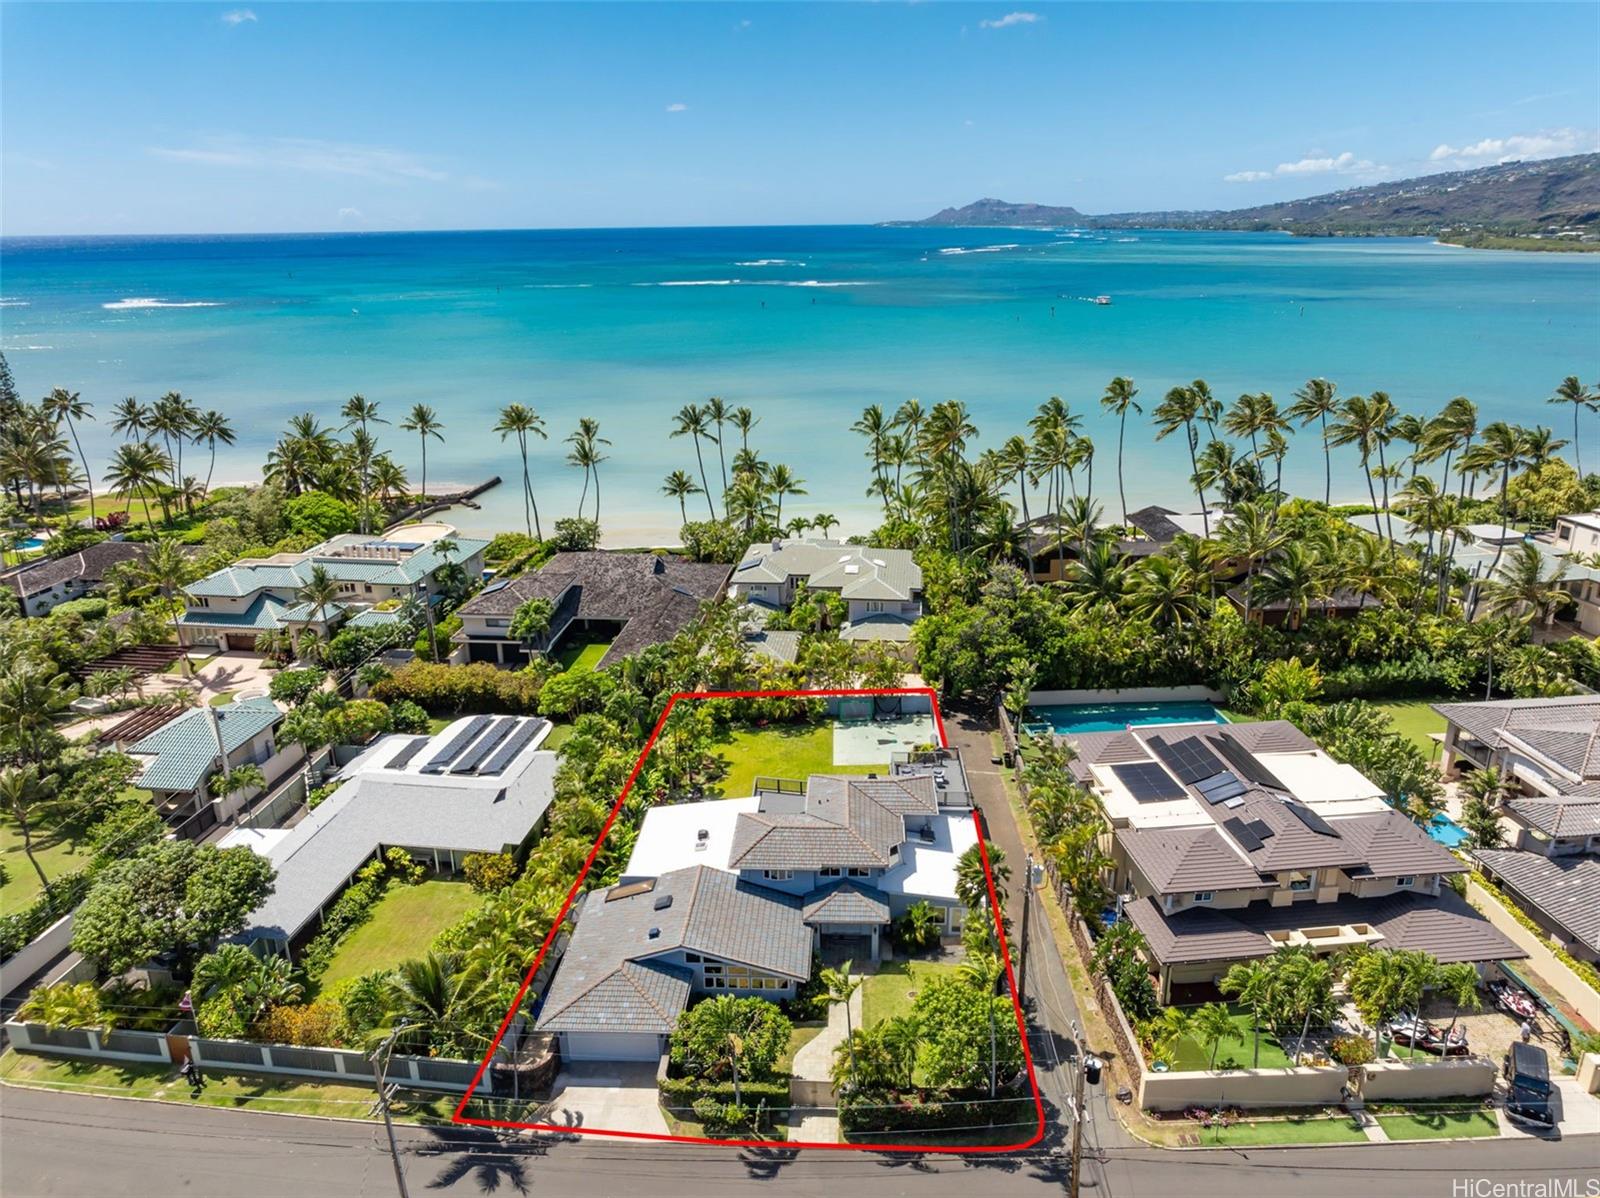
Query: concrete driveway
[612, 1096]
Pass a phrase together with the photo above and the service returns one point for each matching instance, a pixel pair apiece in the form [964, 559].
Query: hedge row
[684, 1092]
[872, 1114]
[475, 687]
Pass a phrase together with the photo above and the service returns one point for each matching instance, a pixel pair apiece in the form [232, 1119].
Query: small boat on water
[1103, 301]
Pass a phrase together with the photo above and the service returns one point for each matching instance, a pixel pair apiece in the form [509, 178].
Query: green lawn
[1412, 718]
[438, 723]
[55, 854]
[783, 751]
[799, 1036]
[560, 733]
[581, 655]
[1440, 1125]
[1339, 1129]
[402, 926]
[256, 1092]
[893, 989]
[1233, 1052]
[221, 700]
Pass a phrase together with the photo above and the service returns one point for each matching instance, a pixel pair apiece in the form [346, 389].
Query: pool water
[31, 543]
[1112, 717]
[1446, 831]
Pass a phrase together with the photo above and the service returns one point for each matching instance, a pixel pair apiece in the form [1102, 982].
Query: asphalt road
[69, 1144]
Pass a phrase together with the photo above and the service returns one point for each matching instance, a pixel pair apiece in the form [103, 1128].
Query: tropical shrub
[357, 722]
[318, 514]
[920, 927]
[318, 1024]
[475, 687]
[66, 1005]
[488, 872]
[574, 534]
[1119, 957]
[1352, 1050]
[704, 1038]
[406, 716]
[714, 540]
[88, 608]
[294, 687]
[218, 1018]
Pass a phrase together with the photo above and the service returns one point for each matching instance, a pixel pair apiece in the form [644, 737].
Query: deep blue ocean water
[805, 325]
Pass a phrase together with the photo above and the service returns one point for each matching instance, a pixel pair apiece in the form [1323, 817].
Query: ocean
[805, 326]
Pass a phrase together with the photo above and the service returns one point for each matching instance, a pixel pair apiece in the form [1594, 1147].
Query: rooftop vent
[653, 934]
[703, 835]
[663, 901]
[852, 568]
[878, 561]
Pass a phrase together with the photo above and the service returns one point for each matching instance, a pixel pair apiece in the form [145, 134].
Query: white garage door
[610, 1046]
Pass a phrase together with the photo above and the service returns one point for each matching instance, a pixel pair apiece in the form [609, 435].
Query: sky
[198, 117]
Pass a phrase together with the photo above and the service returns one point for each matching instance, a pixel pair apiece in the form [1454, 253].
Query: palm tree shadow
[484, 1158]
[765, 1164]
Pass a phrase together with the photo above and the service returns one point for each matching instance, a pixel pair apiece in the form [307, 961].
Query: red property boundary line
[588, 862]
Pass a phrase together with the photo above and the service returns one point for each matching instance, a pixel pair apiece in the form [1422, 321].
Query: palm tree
[209, 428]
[1382, 983]
[423, 421]
[23, 791]
[1251, 982]
[1119, 398]
[1522, 586]
[388, 478]
[585, 452]
[1457, 984]
[1180, 409]
[68, 406]
[130, 418]
[694, 421]
[1582, 399]
[780, 482]
[875, 427]
[1014, 458]
[744, 420]
[823, 521]
[433, 998]
[1251, 536]
[908, 418]
[1317, 401]
[1212, 1025]
[972, 887]
[168, 569]
[521, 421]
[135, 470]
[319, 590]
[1297, 578]
[247, 776]
[1165, 1032]
[840, 987]
[1502, 449]
[680, 485]
[1361, 422]
[719, 414]
[173, 417]
[901, 1036]
[358, 412]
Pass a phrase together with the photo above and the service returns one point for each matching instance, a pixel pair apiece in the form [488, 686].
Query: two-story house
[1548, 752]
[1577, 539]
[882, 588]
[1231, 841]
[231, 607]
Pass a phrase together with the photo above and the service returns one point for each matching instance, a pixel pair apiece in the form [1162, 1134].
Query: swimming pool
[1446, 831]
[1110, 717]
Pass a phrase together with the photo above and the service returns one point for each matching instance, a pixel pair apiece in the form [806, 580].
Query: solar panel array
[1261, 828]
[1312, 820]
[1244, 762]
[1220, 787]
[1188, 759]
[403, 758]
[1147, 781]
[1247, 840]
[467, 763]
[514, 744]
[455, 744]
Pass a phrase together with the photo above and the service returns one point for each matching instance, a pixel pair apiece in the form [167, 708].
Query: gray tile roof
[1263, 736]
[1445, 926]
[88, 565]
[1174, 860]
[1566, 890]
[1156, 523]
[607, 979]
[878, 626]
[654, 596]
[779, 645]
[185, 750]
[855, 571]
[383, 805]
[846, 902]
[1392, 846]
[1565, 818]
[1563, 732]
[842, 823]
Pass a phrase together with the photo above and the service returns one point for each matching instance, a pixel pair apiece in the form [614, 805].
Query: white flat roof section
[1317, 780]
[669, 837]
[927, 869]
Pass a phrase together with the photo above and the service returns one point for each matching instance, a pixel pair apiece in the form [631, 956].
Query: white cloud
[677, 108]
[1010, 19]
[349, 214]
[239, 16]
[1548, 143]
[1313, 164]
[310, 155]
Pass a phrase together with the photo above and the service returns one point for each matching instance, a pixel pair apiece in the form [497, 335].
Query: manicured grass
[1340, 1129]
[221, 700]
[55, 854]
[782, 751]
[402, 926]
[1440, 1125]
[560, 733]
[578, 655]
[256, 1092]
[1412, 718]
[801, 1035]
[1233, 1052]
[438, 723]
[892, 990]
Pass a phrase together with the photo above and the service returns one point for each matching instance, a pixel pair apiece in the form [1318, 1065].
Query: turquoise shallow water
[805, 325]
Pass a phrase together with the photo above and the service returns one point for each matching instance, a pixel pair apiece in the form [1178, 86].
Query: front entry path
[814, 1063]
[609, 1095]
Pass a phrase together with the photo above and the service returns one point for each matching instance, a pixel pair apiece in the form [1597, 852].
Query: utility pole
[380, 1066]
[1086, 1073]
[1028, 883]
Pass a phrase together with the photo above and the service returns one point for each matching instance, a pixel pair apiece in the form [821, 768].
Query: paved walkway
[814, 1062]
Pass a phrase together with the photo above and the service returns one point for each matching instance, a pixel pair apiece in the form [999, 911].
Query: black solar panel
[1247, 840]
[1188, 759]
[1311, 820]
[1244, 762]
[455, 744]
[507, 752]
[1220, 787]
[1261, 828]
[468, 762]
[1147, 781]
[403, 758]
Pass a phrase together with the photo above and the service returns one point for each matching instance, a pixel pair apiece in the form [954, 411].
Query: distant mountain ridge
[1554, 197]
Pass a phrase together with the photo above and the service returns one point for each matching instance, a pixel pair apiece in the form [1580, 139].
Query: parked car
[1527, 1073]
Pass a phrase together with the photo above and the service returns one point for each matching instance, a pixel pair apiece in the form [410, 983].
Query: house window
[874, 605]
[859, 873]
[777, 875]
[367, 587]
[1406, 880]
[1299, 882]
[831, 871]
[1204, 896]
[692, 958]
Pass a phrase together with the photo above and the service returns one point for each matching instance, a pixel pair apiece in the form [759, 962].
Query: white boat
[1102, 300]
